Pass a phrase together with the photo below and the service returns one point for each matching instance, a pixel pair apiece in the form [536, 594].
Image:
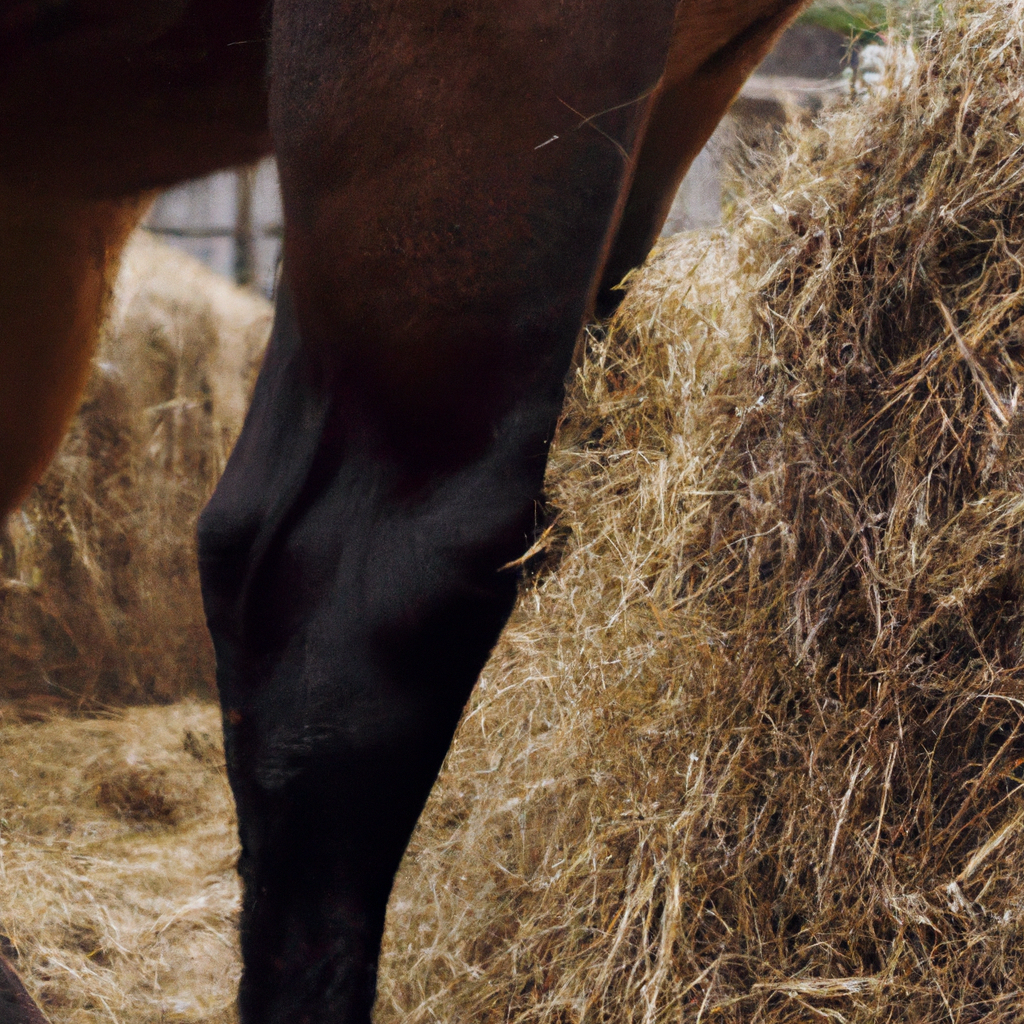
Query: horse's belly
[110, 97]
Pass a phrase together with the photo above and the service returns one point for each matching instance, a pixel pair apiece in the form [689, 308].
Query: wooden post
[245, 241]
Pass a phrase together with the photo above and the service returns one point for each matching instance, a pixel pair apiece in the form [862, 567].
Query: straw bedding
[118, 895]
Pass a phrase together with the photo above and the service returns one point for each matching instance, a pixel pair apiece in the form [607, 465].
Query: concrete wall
[231, 221]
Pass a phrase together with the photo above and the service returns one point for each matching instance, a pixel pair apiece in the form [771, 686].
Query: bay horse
[464, 184]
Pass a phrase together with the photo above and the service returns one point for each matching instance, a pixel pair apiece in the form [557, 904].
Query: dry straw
[752, 749]
[118, 895]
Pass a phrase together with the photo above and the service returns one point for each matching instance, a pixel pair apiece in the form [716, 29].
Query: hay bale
[99, 600]
[751, 747]
[119, 894]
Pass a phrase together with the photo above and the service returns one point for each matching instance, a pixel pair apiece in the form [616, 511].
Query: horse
[464, 186]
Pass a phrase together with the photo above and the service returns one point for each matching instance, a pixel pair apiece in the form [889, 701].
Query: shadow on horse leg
[16, 1005]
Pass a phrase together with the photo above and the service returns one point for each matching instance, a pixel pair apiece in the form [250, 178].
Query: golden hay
[752, 750]
[117, 867]
[99, 596]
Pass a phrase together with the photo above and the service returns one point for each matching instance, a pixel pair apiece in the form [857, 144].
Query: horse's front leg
[352, 608]
[451, 175]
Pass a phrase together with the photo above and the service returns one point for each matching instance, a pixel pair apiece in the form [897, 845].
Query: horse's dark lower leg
[352, 608]
[443, 238]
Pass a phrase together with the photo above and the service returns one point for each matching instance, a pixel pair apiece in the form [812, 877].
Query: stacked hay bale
[99, 596]
[751, 749]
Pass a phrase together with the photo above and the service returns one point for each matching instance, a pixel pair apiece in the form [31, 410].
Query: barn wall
[231, 221]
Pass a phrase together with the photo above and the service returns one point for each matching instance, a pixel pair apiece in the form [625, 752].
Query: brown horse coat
[463, 183]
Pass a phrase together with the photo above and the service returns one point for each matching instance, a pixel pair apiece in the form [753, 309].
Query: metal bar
[270, 231]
